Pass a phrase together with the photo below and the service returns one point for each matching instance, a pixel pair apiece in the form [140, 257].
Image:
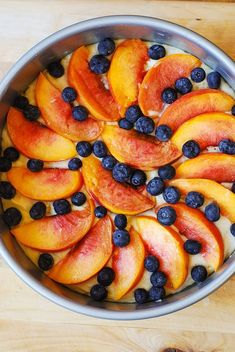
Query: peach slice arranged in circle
[115, 196]
[87, 257]
[193, 104]
[138, 150]
[162, 76]
[48, 184]
[58, 114]
[90, 87]
[127, 71]
[167, 245]
[36, 140]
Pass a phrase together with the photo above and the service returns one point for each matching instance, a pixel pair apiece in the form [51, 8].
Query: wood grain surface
[30, 323]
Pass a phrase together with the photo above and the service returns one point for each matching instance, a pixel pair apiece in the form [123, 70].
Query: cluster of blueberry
[31, 112]
[105, 277]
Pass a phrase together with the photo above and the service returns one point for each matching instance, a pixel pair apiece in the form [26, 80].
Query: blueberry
[166, 215]
[158, 279]
[69, 94]
[169, 95]
[214, 80]
[141, 295]
[156, 293]
[98, 293]
[233, 110]
[212, 212]
[80, 113]
[199, 273]
[106, 46]
[74, 164]
[145, 125]
[138, 178]
[55, 69]
[100, 211]
[7, 191]
[11, 153]
[78, 198]
[151, 263]
[163, 133]
[125, 124]
[183, 85]
[84, 148]
[194, 199]
[12, 216]
[121, 238]
[106, 276]
[45, 261]
[133, 113]
[5, 164]
[35, 165]
[120, 221]
[61, 206]
[233, 187]
[108, 162]
[227, 146]
[155, 186]
[198, 74]
[99, 64]
[232, 229]
[31, 112]
[99, 149]
[156, 52]
[191, 149]
[38, 211]
[166, 172]
[21, 102]
[121, 172]
[192, 247]
[171, 194]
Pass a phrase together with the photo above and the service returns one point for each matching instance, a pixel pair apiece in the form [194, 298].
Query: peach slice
[138, 150]
[167, 245]
[127, 263]
[215, 166]
[127, 71]
[161, 76]
[90, 87]
[37, 141]
[87, 257]
[212, 190]
[116, 197]
[207, 129]
[193, 104]
[48, 184]
[58, 115]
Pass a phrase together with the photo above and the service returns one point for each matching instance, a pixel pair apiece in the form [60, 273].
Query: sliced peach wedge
[58, 114]
[211, 190]
[116, 197]
[167, 245]
[215, 166]
[137, 149]
[33, 139]
[92, 92]
[87, 257]
[127, 71]
[161, 76]
[195, 103]
[48, 184]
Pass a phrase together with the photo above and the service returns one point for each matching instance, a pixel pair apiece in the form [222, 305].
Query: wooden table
[29, 322]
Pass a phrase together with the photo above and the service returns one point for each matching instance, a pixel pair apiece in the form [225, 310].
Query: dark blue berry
[166, 172]
[157, 293]
[145, 125]
[78, 198]
[214, 80]
[233, 187]
[7, 191]
[74, 164]
[121, 238]
[21, 102]
[171, 194]
[198, 74]
[158, 279]
[99, 149]
[120, 221]
[106, 46]
[199, 273]
[138, 178]
[183, 85]
[191, 149]
[84, 148]
[55, 69]
[11, 153]
[98, 293]
[106, 276]
[108, 162]
[155, 186]
[233, 110]
[133, 113]
[194, 199]
[61, 206]
[212, 212]
[166, 215]
[69, 94]
[38, 211]
[163, 133]
[232, 229]
[45, 261]
[227, 146]
[35, 165]
[151, 263]
[99, 64]
[141, 295]
[192, 247]
[80, 113]
[5, 164]
[12, 216]
[156, 52]
[121, 172]
[125, 124]
[100, 211]
[169, 95]
[31, 112]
